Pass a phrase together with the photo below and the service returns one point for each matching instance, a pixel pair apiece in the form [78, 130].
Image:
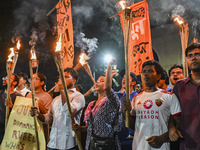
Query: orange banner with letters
[65, 29]
[140, 46]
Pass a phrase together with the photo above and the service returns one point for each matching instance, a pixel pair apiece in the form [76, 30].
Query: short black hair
[73, 73]
[191, 47]
[42, 78]
[55, 79]
[16, 79]
[21, 74]
[157, 66]
[165, 77]
[174, 66]
[138, 82]
[133, 76]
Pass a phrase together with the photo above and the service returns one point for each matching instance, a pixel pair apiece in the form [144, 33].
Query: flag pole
[127, 18]
[53, 8]
[127, 22]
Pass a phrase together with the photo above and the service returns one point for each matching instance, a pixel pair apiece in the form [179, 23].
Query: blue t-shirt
[124, 133]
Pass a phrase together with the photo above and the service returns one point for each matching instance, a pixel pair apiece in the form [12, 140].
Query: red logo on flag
[139, 103]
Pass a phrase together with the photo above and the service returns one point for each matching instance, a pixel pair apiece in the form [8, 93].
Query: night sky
[19, 18]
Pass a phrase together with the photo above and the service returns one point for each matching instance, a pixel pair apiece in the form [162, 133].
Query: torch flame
[33, 55]
[83, 58]
[18, 45]
[58, 45]
[179, 20]
[11, 54]
[123, 4]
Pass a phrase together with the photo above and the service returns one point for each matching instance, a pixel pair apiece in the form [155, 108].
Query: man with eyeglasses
[43, 98]
[14, 80]
[175, 74]
[152, 109]
[188, 92]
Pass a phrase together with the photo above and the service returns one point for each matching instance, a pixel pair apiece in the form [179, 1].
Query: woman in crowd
[103, 116]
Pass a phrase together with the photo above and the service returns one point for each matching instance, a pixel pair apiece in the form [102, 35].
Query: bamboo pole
[88, 70]
[9, 68]
[52, 88]
[15, 61]
[126, 20]
[78, 66]
[33, 103]
[57, 59]
[184, 33]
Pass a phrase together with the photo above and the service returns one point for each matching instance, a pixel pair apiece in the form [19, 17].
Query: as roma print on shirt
[158, 102]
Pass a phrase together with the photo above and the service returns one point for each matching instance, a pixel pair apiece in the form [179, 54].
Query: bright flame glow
[58, 45]
[33, 55]
[11, 54]
[108, 58]
[83, 58]
[179, 20]
[18, 45]
[123, 4]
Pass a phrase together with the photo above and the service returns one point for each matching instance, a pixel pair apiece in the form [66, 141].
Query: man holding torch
[14, 80]
[62, 136]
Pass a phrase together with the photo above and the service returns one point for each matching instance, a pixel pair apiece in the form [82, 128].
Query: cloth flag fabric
[140, 46]
[20, 131]
[65, 29]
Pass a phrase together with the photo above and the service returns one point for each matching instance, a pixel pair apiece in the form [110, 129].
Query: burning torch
[83, 63]
[33, 64]
[86, 66]
[16, 51]
[184, 33]
[58, 61]
[9, 68]
[126, 11]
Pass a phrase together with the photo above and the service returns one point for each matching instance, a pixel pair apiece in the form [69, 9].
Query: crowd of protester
[163, 108]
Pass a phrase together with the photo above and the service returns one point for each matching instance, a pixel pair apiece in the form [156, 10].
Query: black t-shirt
[3, 96]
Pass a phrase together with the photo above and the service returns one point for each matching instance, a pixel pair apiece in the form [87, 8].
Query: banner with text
[20, 131]
[65, 29]
[140, 46]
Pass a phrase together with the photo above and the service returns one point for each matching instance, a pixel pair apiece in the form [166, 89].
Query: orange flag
[140, 46]
[65, 28]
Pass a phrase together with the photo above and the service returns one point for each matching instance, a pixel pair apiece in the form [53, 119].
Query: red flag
[65, 28]
[140, 46]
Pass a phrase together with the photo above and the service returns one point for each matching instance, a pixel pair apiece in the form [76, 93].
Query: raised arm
[108, 83]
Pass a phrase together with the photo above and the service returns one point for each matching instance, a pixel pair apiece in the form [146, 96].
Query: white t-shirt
[152, 110]
[23, 92]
